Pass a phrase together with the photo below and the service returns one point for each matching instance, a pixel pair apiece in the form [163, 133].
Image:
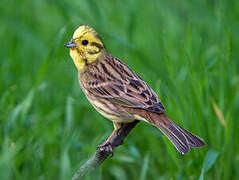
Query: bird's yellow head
[86, 46]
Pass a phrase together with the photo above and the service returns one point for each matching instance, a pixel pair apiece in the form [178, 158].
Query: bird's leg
[106, 145]
[107, 142]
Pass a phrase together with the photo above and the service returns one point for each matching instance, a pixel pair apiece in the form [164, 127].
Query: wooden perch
[103, 152]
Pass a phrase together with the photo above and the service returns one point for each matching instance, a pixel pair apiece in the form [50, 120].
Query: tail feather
[193, 140]
[178, 140]
[181, 138]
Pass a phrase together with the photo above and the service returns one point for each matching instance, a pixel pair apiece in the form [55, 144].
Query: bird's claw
[107, 147]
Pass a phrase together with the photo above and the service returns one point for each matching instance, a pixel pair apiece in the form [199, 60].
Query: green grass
[187, 51]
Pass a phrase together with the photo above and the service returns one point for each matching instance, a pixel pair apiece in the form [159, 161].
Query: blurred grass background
[187, 51]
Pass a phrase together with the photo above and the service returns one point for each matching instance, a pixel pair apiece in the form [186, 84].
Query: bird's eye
[84, 42]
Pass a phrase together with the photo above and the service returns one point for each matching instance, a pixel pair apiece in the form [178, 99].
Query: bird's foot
[106, 146]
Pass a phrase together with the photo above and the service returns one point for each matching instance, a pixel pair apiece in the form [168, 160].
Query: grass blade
[208, 162]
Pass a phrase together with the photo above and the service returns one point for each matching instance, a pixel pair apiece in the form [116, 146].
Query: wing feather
[111, 79]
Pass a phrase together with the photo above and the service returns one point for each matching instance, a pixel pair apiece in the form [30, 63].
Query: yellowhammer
[118, 93]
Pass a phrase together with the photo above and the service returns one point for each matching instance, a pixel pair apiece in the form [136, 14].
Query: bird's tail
[181, 138]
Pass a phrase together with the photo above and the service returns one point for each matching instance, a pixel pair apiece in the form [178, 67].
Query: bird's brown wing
[114, 81]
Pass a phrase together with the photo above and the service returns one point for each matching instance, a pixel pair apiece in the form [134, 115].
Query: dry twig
[103, 152]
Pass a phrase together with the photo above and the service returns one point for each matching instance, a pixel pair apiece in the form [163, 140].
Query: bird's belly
[112, 112]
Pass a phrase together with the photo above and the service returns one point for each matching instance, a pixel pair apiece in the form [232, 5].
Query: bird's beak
[70, 44]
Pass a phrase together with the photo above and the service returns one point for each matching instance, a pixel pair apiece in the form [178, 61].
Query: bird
[118, 93]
